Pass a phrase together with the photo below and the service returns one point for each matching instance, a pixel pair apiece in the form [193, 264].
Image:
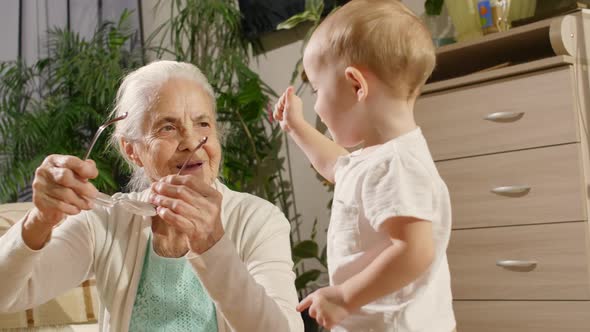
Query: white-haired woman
[211, 259]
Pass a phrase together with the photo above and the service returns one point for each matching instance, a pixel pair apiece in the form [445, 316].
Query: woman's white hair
[136, 96]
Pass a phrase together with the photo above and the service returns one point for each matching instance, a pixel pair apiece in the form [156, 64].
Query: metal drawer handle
[504, 116]
[510, 263]
[512, 190]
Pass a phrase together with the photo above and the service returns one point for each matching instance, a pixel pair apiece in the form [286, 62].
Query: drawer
[553, 174]
[454, 124]
[522, 316]
[559, 250]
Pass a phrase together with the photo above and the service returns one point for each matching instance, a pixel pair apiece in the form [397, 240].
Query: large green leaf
[295, 20]
[433, 7]
[306, 277]
[306, 249]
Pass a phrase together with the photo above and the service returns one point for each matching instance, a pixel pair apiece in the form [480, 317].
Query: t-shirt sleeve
[398, 188]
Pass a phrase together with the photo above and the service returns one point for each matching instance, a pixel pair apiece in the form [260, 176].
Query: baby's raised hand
[289, 110]
[326, 306]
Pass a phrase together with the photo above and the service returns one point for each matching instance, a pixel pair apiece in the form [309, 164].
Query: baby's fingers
[278, 113]
[280, 107]
[304, 304]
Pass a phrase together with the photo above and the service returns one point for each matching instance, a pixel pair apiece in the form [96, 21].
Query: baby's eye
[314, 91]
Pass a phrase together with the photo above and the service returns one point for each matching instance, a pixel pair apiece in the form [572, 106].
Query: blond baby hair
[383, 36]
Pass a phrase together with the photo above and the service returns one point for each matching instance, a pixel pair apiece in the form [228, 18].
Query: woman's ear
[358, 81]
[130, 151]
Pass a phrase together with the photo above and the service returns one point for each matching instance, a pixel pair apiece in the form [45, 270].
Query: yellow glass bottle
[465, 19]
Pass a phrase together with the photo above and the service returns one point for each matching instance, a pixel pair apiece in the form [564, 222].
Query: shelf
[536, 46]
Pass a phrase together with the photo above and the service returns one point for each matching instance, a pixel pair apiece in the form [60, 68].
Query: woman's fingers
[70, 197]
[179, 206]
[85, 169]
[55, 193]
[71, 172]
[65, 177]
[61, 186]
[45, 202]
[175, 191]
[197, 187]
[185, 202]
[191, 227]
[191, 205]
[176, 220]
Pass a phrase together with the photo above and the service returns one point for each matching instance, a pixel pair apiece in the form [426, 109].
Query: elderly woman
[211, 259]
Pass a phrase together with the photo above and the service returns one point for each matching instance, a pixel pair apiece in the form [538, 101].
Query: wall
[415, 5]
[35, 17]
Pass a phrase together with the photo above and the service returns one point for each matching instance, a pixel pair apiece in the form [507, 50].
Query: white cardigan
[248, 273]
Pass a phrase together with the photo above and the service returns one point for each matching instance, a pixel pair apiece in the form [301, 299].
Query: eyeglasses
[134, 206]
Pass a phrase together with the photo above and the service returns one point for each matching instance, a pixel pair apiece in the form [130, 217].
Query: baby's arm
[321, 151]
[407, 258]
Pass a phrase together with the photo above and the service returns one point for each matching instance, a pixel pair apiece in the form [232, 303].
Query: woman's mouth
[191, 166]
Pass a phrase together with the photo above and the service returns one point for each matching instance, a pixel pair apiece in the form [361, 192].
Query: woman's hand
[61, 187]
[289, 110]
[191, 206]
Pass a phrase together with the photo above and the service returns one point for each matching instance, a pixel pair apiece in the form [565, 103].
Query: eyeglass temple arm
[100, 130]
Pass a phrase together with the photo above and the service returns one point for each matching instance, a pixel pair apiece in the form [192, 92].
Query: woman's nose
[190, 140]
[190, 155]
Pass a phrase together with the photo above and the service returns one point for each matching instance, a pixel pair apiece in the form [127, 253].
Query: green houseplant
[56, 104]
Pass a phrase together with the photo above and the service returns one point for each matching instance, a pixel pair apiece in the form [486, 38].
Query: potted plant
[56, 104]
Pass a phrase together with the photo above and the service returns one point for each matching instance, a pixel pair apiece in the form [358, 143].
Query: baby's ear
[131, 151]
[358, 82]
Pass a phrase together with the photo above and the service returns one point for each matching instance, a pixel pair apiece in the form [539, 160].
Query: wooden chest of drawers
[512, 146]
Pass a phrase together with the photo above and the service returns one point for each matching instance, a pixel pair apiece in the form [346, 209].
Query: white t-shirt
[398, 178]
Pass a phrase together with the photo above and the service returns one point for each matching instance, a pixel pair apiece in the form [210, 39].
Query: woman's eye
[204, 124]
[168, 128]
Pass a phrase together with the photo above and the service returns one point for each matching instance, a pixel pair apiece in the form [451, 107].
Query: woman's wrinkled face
[181, 116]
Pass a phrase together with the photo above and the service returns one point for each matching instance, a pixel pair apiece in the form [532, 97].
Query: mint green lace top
[170, 297]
